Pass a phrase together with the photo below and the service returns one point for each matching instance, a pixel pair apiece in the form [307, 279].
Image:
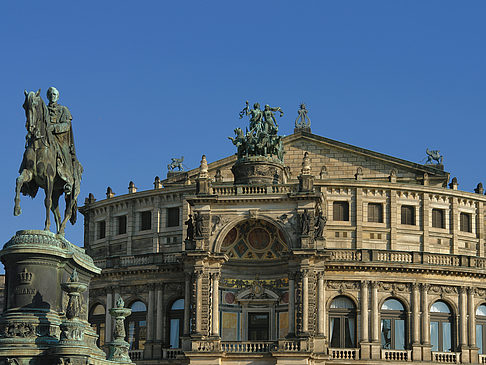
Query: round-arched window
[254, 239]
[97, 319]
[342, 323]
[481, 328]
[137, 326]
[441, 327]
[176, 320]
[393, 325]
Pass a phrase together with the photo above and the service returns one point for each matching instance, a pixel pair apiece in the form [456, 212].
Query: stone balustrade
[482, 359]
[422, 258]
[344, 354]
[290, 346]
[171, 353]
[396, 355]
[446, 357]
[226, 190]
[248, 346]
[135, 355]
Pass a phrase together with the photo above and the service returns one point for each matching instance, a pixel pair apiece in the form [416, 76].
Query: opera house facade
[295, 250]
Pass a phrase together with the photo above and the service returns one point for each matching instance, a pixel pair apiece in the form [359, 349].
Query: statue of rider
[59, 123]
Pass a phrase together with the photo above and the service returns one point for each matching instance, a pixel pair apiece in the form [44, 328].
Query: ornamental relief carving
[393, 287]
[479, 292]
[442, 290]
[342, 286]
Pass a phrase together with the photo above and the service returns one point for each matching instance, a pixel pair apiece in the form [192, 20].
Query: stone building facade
[394, 272]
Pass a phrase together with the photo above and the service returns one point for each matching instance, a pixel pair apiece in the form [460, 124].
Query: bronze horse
[38, 168]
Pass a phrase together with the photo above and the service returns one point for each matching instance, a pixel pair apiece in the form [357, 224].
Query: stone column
[187, 304]
[198, 274]
[321, 304]
[415, 315]
[291, 303]
[108, 319]
[150, 314]
[364, 312]
[425, 316]
[463, 317]
[375, 329]
[365, 346]
[215, 309]
[472, 317]
[305, 300]
[160, 304]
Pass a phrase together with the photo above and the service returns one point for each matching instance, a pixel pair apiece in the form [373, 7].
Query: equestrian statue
[49, 160]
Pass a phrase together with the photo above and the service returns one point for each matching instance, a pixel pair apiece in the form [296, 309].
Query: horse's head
[33, 106]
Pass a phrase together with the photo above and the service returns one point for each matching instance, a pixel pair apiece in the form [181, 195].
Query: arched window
[441, 327]
[481, 328]
[176, 320]
[137, 326]
[393, 325]
[342, 323]
[97, 319]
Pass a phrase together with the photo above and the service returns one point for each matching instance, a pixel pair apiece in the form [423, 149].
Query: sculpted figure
[434, 155]
[256, 117]
[49, 159]
[320, 224]
[190, 228]
[305, 222]
[271, 126]
[199, 225]
[60, 125]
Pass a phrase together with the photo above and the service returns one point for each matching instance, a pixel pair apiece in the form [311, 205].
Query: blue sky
[150, 80]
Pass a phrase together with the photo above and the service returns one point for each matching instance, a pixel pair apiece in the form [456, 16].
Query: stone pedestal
[258, 170]
[41, 323]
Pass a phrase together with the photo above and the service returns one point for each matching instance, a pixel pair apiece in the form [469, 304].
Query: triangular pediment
[334, 160]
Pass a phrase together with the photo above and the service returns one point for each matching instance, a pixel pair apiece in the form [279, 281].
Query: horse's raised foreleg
[24, 177]
[55, 208]
[48, 201]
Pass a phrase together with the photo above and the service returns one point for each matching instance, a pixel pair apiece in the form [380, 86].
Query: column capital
[291, 275]
[414, 286]
[198, 273]
[425, 287]
[463, 290]
[470, 290]
[216, 276]
[320, 275]
[304, 273]
[374, 284]
[365, 284]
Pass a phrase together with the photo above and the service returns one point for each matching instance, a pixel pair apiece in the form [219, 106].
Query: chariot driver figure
[59, 123]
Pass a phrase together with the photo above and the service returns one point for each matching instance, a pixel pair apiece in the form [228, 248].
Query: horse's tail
[74, 212]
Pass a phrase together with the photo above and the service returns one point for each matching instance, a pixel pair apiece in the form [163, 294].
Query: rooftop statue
[49, 159]
[302, 120]
[176, 163]
[262, 138]
[434, 155]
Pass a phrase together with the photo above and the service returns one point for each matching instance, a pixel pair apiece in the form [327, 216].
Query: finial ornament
[303, 121]
[203, 168]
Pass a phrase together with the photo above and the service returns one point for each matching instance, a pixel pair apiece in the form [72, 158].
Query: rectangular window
[340, 211]
[375, 212]
[408, 215]
[438, 218]
[145, 220]
[173, 217]
[479, 338]
[465, 225]
[434, 335]
[121, 224]
[101, 229]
